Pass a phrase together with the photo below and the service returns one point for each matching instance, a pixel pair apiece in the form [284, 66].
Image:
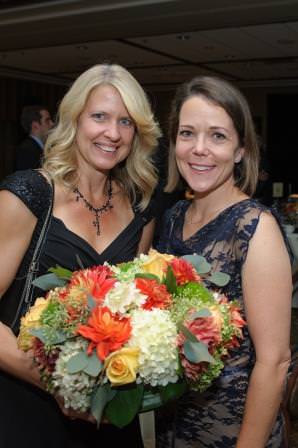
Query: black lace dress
[30, 417]
[212, 419]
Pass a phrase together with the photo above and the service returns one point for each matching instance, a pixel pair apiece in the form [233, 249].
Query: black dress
[212, 419]
[29, 417]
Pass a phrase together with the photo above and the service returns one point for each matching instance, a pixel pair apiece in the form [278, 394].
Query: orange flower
[95, 281]
[184, 271]
[106, 331]
[157, 294]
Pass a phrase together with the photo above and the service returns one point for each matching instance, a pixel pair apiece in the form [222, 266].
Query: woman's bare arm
[267, 289]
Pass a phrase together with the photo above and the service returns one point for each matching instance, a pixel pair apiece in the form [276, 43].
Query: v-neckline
[98, 255]
[203, 228]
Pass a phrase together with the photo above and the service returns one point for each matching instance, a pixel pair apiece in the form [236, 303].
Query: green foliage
[54, 315]
[91, 302]
[199, 263]
[204, 312]
[101, 397]
[48, 336]
[211, 373]
[170, 281]
[77, 363]
[62, 273]
[147, 275]
[94, 365]
[197, 352]
[219, 278]
[190, 296]
[173, 391]
[83, 362]
[48, 281]
[125, 405]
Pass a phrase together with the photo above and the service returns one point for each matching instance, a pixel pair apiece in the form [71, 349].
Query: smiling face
[207, 146]
[105, 130]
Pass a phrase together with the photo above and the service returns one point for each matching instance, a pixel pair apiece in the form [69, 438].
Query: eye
[126, 121]
[185, 133]
[219, 136]
[98, 116]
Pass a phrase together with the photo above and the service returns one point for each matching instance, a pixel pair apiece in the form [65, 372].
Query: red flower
[184, 271]
[157, 294]
[106, 331]
[96, 281]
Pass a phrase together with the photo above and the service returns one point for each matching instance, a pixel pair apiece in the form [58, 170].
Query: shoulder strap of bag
[26, 297]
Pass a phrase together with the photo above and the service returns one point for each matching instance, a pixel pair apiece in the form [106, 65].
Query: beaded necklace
[98, 211]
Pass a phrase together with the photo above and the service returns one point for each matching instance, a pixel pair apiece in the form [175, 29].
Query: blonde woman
[98, 159]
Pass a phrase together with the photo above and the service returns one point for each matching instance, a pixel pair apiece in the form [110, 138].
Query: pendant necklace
[98, 211]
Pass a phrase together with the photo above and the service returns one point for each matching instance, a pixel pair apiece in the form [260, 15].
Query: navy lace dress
[30, 417]
[212, 419]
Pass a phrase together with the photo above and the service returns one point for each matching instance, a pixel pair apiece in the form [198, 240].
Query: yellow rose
[157, 263]
[30, 320]
[121, 366]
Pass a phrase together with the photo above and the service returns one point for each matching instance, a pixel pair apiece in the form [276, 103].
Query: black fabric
[32, 188]
[29, 416]
[28, 154]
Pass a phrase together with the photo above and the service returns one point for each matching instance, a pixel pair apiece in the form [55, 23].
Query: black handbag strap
[27, 293]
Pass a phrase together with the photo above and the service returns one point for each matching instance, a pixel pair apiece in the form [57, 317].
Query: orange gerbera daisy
[106, 331]
[157, 294]
[95, 281]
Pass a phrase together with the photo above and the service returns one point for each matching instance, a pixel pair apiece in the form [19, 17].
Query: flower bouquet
[116, 340]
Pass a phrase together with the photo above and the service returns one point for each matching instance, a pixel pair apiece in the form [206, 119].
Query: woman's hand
[71, 413]
[15, 361]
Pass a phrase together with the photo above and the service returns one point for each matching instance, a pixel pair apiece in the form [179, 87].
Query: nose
[112, 131]
[200, 147]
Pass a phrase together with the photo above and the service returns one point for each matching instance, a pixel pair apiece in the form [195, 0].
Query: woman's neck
[205, 208]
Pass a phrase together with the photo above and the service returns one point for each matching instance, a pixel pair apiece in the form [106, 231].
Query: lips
[201, 168]
[106, 148]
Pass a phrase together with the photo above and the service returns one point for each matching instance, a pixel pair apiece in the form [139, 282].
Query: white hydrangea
[123, 297]
[76, 388]
[155, 334]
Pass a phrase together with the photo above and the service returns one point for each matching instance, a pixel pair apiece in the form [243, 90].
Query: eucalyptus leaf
[147, 275]
[53, 338]
[200, 263]
[99, 400]
[204, 312]
[125, 405]
[197, 352]
[94, 365]
[48, 281]
[219, 278]
[62, 273]
[77, 363]
[91, 302]
[187, 333]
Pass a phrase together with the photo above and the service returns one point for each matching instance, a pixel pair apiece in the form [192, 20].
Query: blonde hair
[225, 95]
[137, 173]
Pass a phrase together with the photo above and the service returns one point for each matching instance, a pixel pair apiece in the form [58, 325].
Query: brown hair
[225, 95]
